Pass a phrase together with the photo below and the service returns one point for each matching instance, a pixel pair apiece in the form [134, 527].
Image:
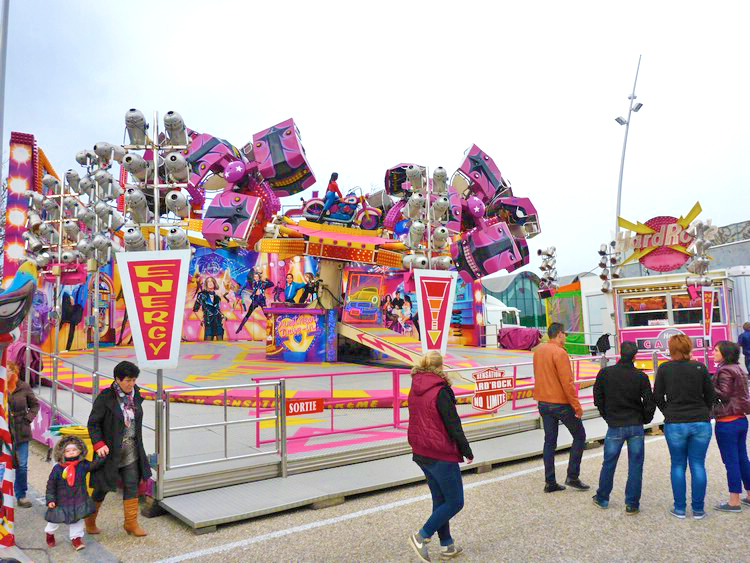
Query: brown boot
[90, 521]
[130, 507]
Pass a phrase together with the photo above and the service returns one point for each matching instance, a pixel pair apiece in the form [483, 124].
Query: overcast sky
[536, 85]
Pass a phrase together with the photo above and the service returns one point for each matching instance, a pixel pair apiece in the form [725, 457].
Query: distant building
[519, 290]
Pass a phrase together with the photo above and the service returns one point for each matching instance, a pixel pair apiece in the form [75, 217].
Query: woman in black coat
[116, 430]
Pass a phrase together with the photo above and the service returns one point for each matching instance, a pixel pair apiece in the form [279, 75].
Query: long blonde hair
[432, 362]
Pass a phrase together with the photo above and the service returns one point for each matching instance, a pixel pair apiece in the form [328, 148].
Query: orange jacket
[553, 377]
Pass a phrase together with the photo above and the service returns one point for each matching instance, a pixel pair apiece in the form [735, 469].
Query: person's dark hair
[290, 276]
[555, 329]
[334, 177]
[730, 352]
[628, 350]
[746, 326]
[126, 369]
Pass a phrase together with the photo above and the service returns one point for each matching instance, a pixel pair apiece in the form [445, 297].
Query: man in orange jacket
[558, 402]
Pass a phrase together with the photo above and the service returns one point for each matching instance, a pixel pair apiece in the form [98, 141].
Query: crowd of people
[684, 391]
[115, 426]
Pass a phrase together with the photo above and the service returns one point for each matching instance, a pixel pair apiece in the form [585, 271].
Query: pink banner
[22, 168]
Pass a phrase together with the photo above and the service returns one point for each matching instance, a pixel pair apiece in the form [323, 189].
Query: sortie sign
[303, 406]
[154, 286]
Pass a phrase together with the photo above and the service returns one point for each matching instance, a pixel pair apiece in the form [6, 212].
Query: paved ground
[506, 518]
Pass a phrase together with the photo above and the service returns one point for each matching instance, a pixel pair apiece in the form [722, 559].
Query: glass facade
[522, 293]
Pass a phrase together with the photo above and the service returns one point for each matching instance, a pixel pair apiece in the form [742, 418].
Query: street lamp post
[626, 123]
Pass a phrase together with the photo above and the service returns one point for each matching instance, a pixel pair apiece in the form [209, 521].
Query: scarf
[69, 473]
[127, 404]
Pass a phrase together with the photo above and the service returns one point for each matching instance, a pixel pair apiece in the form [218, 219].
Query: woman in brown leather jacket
[24, 407]
[730, 384]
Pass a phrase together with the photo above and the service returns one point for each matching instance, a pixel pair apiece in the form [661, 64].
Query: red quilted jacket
[427, 434]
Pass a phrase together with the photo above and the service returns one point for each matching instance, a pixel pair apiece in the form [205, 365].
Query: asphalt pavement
[506, 517]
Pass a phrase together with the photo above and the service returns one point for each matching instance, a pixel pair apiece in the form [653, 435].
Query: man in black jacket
[623, 396]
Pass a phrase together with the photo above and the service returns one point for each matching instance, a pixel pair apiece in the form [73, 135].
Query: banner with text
[436, 291]
[154, 286]
[708, 306]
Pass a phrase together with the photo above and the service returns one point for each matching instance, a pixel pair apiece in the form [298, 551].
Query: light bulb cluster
[609, 263]
[548, 283]
[703, 236]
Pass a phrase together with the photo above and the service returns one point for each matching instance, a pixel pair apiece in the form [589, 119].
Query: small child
[68, 500]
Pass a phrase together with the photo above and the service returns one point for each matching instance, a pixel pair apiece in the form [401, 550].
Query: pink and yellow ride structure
[353, 263]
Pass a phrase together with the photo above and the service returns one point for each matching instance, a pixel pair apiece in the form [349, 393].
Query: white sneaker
[419, 545]
[450, 551]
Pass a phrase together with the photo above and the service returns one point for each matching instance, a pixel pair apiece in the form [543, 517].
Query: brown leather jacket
[730, 384]
[24, 407]
[553, 377]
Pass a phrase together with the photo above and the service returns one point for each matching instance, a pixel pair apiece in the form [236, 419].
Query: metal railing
[397, 400]
[55, 383]
[279, 418]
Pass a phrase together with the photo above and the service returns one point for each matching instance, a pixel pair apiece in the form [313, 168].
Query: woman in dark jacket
[683, 392]
[730, 385]
[24, 407]
[438, 443]
[115, 427]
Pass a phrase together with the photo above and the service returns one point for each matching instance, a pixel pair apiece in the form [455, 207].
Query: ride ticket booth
[297, 334]
[650, 309]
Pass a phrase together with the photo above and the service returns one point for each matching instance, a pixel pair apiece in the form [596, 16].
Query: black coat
[623, 395]
[107, 426]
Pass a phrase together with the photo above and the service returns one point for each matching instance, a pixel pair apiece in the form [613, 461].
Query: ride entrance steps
[398, 346]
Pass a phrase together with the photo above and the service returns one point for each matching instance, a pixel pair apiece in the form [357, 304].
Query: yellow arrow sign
[684, 222]
[639, 227]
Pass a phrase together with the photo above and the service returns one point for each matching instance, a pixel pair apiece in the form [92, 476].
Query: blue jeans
[444, 480]
[615, 438]
[688, 443]
[552, 414]
[731, 437]
[22, 455]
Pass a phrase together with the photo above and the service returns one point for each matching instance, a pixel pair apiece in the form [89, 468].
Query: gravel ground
[506, 518]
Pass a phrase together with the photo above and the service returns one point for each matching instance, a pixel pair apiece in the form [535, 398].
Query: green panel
[575, 344]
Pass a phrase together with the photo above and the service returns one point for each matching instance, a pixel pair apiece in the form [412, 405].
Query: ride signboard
[661, 243]
[304, 406]
[708, 305]
[490, 389]
[154, 284]
[436, 291]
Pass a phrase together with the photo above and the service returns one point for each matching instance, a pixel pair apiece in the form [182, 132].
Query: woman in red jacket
[730, 385]
[438, 443]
